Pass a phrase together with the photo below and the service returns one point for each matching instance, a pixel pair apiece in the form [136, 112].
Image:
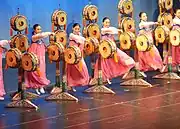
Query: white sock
[109, 82]
[37, 91]
[1, 98]
[42, 90]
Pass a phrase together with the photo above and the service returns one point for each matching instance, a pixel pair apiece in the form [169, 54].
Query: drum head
[60, 37]
[72, 55]
[107, 48]
[175, 37]
[166, 19]
[61, 18]
[125, 6]
[20, 23]
[126, 40]
[161, 34]
[91, 46]
[55, 52]
[93, 31]
[127, 24]
[29, 62]
[90, 12]
[13, 57]
[142, 43]
[168, 4]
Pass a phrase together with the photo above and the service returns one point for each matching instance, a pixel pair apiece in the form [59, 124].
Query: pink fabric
[32, 79]
[149, 62]
[75, 77]
[175, 53]
[2, 91]
[110, 68]
[146, 60]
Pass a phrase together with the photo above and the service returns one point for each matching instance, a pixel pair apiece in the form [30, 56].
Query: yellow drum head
[91, 46]
[125, 6]
[175, 37]
[142, 43]
[107, 48]
[161, 34]
[126, 39]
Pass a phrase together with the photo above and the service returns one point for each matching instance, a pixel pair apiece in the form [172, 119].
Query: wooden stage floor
[130, 108]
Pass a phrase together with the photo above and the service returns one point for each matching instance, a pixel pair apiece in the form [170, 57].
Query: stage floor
[130, 108]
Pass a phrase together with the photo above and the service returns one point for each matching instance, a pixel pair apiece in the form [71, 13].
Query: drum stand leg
[170, 75]
[57, 88]
[136, 81]
[99, 87]
[20, 99]
[17, 95]
[131, 74]
[64, 95]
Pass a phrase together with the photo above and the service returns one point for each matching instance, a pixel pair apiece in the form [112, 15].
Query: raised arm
[41, 36]
[176, 21]
[3, 42]
[147, 24]
[77, 38]
[110, 30]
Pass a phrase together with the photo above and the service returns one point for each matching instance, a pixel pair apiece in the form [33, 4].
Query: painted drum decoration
[18, 23]
[90, 12]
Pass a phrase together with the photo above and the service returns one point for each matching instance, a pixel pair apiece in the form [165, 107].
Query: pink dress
[32, 79]
[176, 49]
[110, 68]
[75, 76]
[2, 91]
[149, 60]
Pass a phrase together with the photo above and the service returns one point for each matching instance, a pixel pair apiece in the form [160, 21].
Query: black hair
[76, 24]
[105, 18]
[175, 10]
[140, 14]
[34, 27]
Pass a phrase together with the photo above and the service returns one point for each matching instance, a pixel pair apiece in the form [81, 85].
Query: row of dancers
[149, 60]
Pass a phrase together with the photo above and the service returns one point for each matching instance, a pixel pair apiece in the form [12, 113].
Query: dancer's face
[76, 29]
[144, 17]
[38, 29]
[106, 23]
[178, 13]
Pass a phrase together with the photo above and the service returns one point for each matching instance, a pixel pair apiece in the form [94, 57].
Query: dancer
[2, 91]
[148, 60]
[33, 79]
[112, 67]
[77, 74]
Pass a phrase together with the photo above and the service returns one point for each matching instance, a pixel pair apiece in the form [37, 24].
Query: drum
[18, 23]
[59, 18]
[91, 46]
[55, 52]
[13, 58]
[59, 37]
[72, 55]
[126, 39]
[90, 12]
[166, 4]
[161, 34]
[127, 24]
[166, 19]
[175, 37]
[19, 41]
[92, 30]
[107, 48]
[125, 6]
[144, 42]
[29, 61]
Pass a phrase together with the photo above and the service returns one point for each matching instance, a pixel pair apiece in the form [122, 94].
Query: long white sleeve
[146, 24]
[40, 36]
[109, 30]
[77, 38]
[4, 42]
[176, 21]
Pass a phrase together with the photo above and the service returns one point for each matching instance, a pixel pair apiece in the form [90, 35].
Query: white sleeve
[4, 42]
[77, 38]
[41, 36]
